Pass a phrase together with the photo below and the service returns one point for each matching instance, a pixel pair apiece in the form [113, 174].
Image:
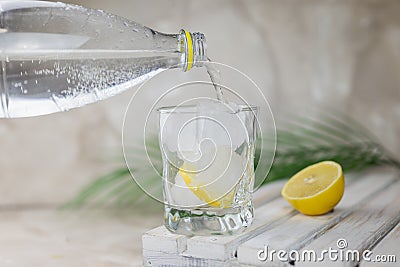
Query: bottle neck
[193, 47]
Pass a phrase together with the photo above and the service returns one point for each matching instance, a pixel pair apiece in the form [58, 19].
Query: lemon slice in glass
[214, 185]
[317, 189]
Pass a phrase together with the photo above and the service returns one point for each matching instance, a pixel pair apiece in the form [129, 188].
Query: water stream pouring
[56, 56]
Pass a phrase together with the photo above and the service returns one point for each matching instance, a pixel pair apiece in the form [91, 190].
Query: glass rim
[193, 109]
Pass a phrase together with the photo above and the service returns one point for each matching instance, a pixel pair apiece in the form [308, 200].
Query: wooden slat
[157, 258]
[160, 239]
[363, 228]
[389, 245]
[300, 229]
[224, 247]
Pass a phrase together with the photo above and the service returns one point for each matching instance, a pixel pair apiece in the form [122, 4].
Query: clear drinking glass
[208, 167]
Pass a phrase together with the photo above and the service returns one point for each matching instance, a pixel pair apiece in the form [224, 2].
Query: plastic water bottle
[56, 56]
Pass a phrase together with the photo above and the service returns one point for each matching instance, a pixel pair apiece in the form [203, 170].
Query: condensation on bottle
[56, 56]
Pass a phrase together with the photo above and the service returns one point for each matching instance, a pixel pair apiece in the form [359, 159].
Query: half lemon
[317, 189]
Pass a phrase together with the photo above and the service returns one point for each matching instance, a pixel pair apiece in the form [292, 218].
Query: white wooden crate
[368, 213]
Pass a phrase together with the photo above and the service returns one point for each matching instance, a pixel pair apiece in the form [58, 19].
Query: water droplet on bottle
[25, 91]
[135, 30]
